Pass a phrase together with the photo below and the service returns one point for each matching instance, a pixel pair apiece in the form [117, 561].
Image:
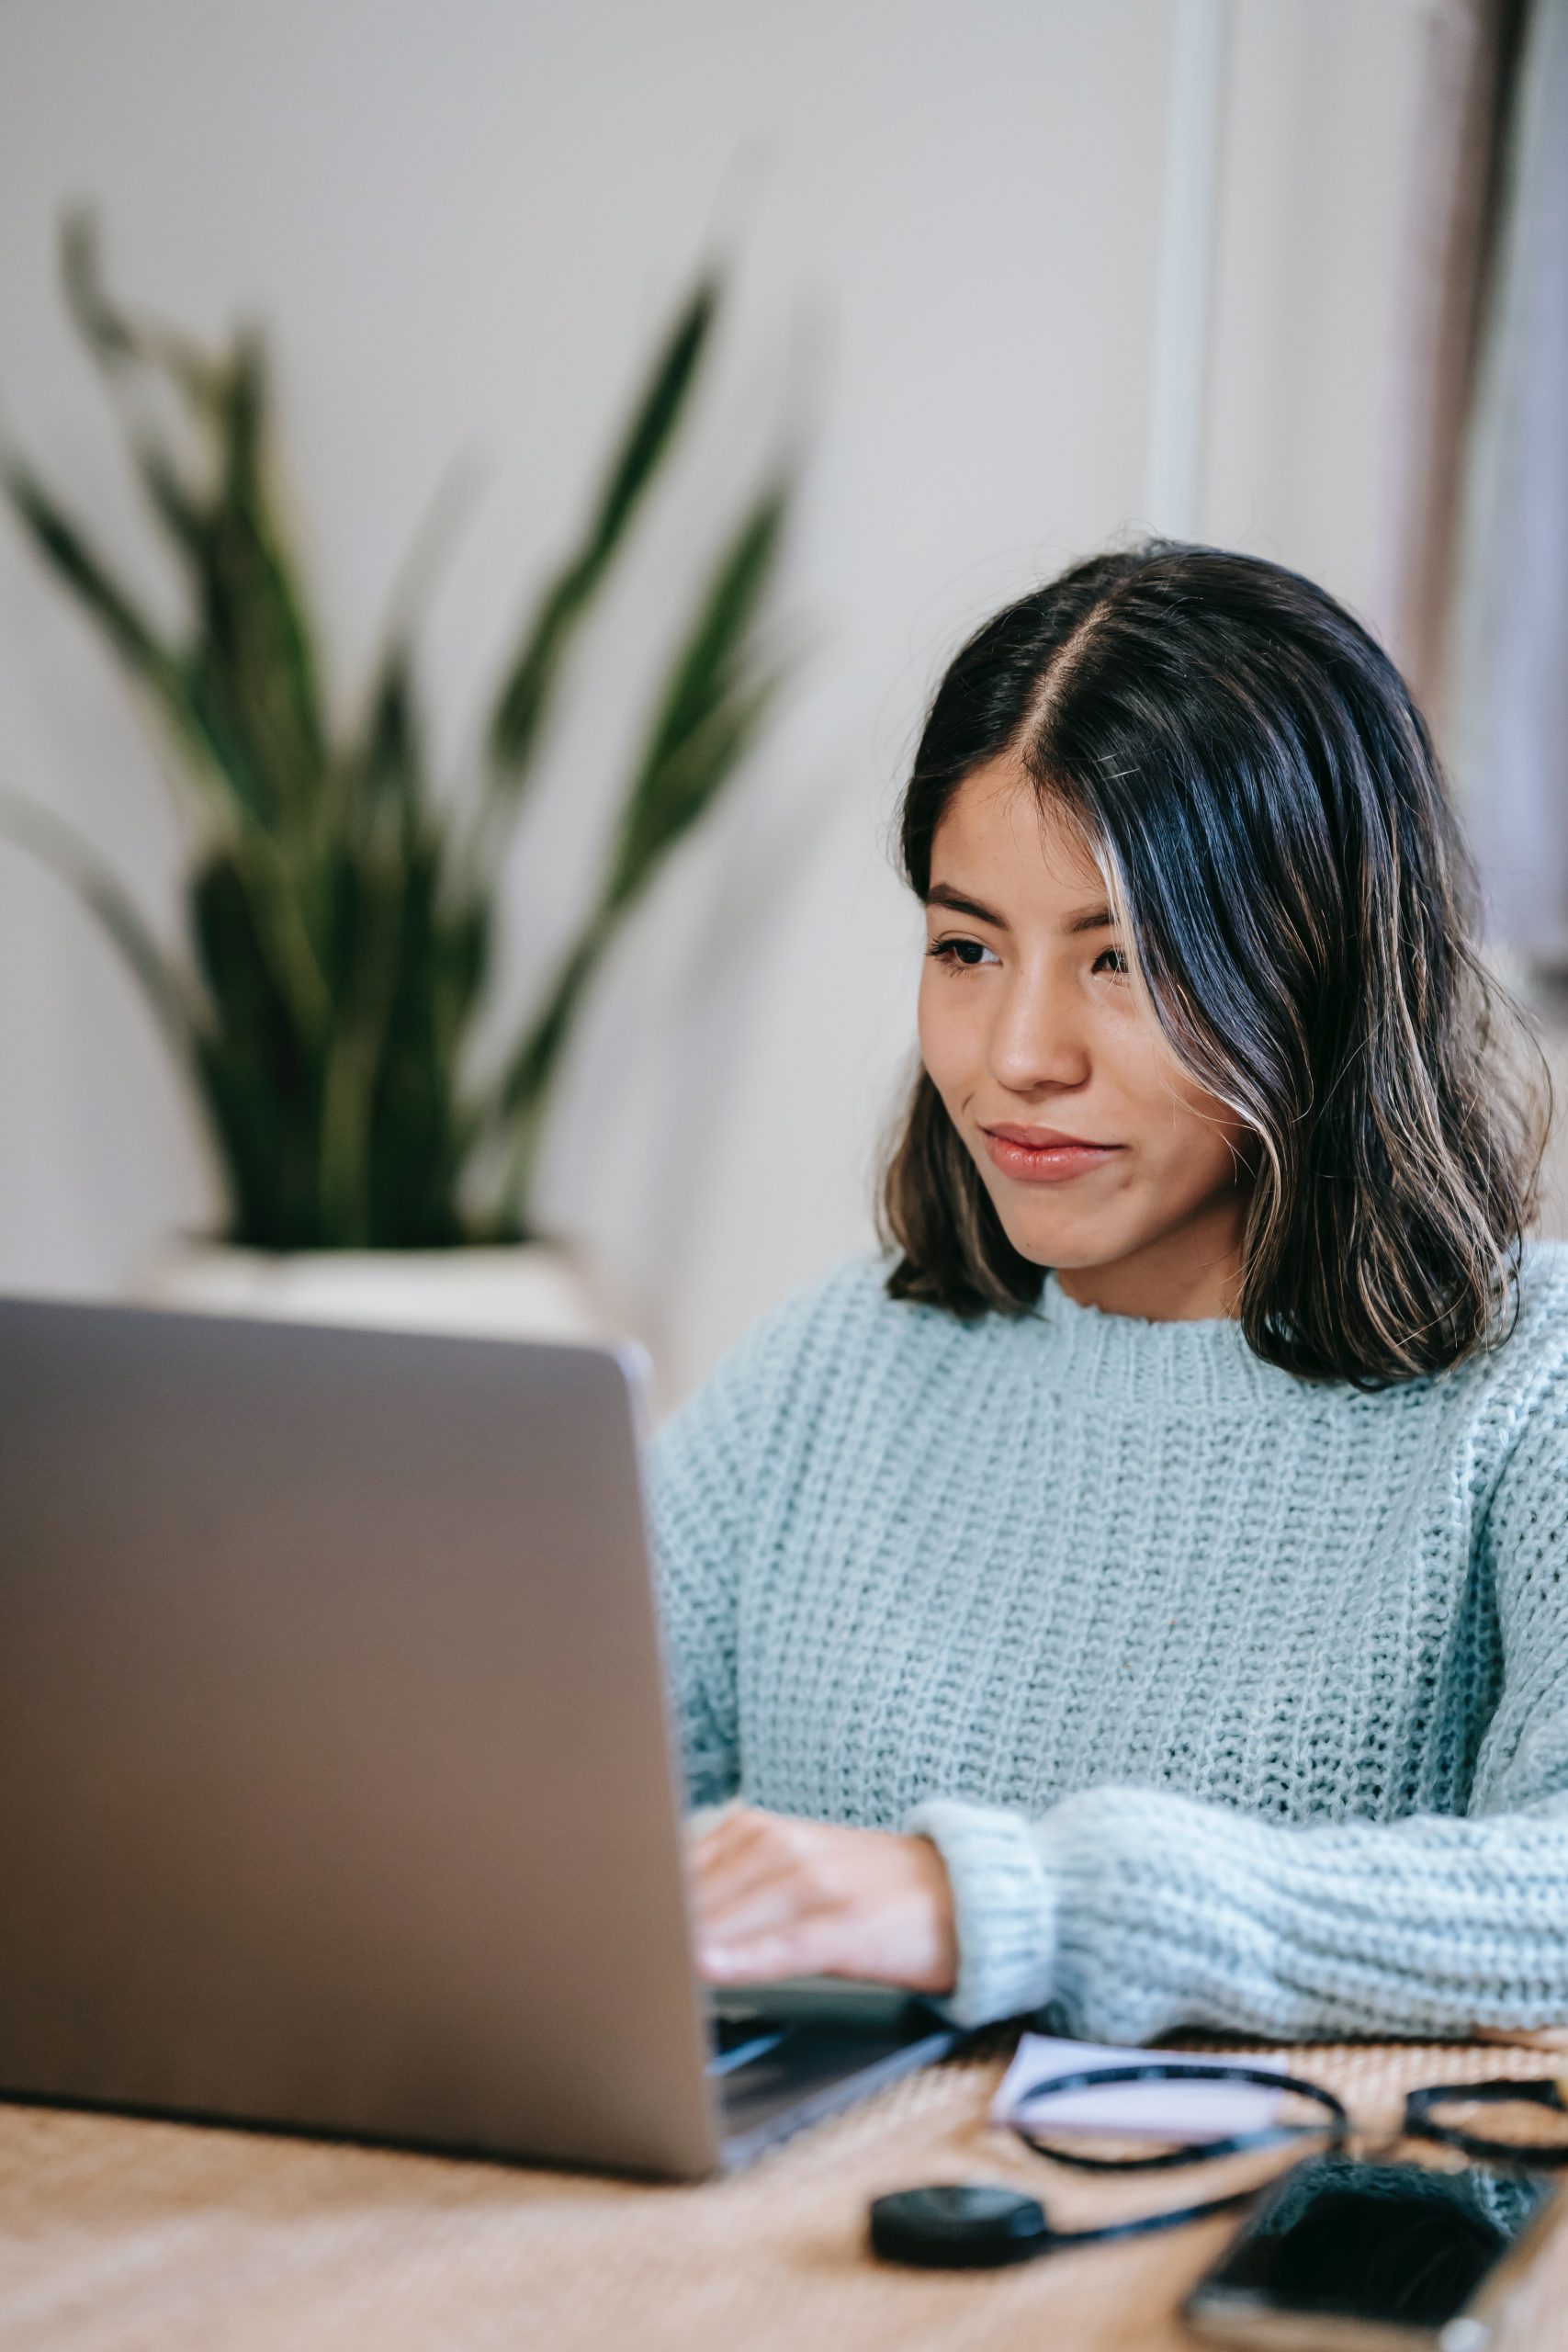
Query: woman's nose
[1036, 1039]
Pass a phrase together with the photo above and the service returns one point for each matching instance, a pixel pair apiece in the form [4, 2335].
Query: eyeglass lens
[1525, 2119]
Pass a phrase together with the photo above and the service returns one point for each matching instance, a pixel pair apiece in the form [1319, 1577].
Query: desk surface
[117, 2235]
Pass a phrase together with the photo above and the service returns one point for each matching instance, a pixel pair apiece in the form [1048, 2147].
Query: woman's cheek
[946, 1047]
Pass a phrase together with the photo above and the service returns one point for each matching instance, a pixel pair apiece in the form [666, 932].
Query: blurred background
[489, 505]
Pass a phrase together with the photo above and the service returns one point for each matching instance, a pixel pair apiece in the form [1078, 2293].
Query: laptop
[336, 1782]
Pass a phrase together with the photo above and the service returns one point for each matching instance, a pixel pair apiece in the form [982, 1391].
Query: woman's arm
[1134, 1911]
[1137, 1910]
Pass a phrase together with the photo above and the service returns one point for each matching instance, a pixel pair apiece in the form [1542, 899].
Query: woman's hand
[780, 1897]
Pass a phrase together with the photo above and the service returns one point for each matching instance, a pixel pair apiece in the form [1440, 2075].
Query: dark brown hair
[1263, 793]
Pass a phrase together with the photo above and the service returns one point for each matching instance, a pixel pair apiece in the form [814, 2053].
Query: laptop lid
[335, 1779]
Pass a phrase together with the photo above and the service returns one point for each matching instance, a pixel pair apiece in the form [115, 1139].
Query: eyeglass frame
[1336, 2127]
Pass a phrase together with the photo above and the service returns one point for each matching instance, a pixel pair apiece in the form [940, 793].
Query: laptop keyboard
[737, 2040]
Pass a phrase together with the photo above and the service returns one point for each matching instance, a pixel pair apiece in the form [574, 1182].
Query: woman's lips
[1046, 1163]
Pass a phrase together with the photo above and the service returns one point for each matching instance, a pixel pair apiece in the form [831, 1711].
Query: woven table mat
[119, 2234]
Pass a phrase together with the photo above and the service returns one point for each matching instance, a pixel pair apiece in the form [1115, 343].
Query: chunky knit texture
[1229, 1699]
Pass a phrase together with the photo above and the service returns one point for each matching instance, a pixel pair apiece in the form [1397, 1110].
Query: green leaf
[715, 696]
[127, 349]
[246, 691]
[384, 771]
[655, 415]
[150, 662]
[253, 674]
[713, 700]
[65, 547]
[57, 845]
[422, 1130]
[116, 336]
[529, 685]
[260, 1068]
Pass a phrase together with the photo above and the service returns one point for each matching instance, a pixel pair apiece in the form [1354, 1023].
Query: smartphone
[1363, 2257]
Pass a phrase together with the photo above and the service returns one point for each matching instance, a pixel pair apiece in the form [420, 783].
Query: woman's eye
[959, 954]
[1110, 959]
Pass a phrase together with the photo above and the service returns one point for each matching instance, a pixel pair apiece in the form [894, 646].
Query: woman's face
[1104, 1159]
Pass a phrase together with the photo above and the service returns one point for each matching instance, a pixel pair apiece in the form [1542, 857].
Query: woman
[1142, 1589]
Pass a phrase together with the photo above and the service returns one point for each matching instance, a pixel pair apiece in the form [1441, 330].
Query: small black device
[961, 2226]
[1350, 2252]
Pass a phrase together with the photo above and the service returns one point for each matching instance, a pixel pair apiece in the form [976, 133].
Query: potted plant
[339, 914]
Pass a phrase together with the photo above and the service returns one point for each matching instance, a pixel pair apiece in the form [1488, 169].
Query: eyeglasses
[1529, 2115]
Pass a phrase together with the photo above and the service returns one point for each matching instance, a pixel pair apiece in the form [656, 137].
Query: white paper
[1183, 2112]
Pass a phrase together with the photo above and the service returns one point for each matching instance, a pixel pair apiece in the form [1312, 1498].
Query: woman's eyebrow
[941, 894]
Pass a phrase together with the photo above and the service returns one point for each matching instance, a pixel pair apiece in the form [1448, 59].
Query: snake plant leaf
[260, 1068]
[518, 1108]
[150, 663]
[154, 665]
[419, 1131]
[529, 685]
[128, 350]
[715, 697]
[119, 337]
[713, 704]
[655, 415]
[69, 553]
[252, 676]
[384, 771]
[175, 1003]
[247, 1124]
[347, 1137]
[102, 325]
[241, 696]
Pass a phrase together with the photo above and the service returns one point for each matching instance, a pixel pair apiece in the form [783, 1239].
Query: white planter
[531, 1291]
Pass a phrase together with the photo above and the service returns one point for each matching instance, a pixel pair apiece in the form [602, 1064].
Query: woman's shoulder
[1518, 1388]
[852, 1288]
[1539, 1332]
[829, 1331]
[836, 1316]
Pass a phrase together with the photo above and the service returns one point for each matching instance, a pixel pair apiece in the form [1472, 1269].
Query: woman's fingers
[753, 1896]
[734, 1849]
[750, 1881]
[774, 1895]
[760, 1958]
[774, 1903]
[747, 1851]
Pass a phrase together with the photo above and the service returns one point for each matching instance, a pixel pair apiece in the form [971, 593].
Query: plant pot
[528, 1290]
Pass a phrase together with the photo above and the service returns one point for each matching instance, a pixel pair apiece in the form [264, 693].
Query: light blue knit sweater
[1229, 1699]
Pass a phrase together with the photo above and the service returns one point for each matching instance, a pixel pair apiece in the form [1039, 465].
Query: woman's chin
[1062, 1249]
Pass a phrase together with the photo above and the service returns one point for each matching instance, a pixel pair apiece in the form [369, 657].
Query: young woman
[1142, 1590]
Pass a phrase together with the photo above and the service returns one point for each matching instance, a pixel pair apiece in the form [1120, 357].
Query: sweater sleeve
[1133, 1911]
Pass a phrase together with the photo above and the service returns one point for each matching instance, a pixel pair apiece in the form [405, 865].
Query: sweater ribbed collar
[1129, 1360]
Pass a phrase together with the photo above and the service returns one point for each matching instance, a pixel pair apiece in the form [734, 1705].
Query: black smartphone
[1349, 2253]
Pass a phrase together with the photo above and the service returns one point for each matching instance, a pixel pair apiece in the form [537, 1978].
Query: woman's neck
[1187, 1276]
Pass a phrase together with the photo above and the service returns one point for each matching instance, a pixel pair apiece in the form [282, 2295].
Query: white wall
[462, 225]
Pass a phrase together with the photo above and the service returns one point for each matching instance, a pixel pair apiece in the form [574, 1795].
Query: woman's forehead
[999, 821]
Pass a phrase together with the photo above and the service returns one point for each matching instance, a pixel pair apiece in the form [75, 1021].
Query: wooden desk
[151, 2237]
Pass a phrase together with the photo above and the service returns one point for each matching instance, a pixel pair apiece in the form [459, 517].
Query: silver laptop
[337, 1788]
